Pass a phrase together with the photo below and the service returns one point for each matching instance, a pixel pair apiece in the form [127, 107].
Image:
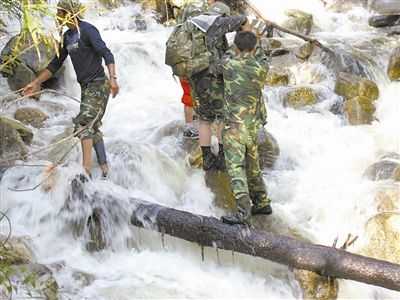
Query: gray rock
[384, 21]
[31, 116]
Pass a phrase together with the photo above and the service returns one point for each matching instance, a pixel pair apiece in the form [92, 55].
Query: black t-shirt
[86, 49]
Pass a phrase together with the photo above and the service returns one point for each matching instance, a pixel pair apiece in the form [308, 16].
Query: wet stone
[31, 116]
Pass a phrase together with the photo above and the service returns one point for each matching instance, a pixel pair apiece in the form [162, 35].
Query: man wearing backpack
[194, 51]
[208, 85]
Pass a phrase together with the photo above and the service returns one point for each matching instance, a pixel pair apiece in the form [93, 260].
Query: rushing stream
[316, 186]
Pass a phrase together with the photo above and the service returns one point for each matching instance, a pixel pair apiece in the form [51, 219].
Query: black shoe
[209, 159]
[264, 210]
[233, 219]
[191, 133]
[220, 163]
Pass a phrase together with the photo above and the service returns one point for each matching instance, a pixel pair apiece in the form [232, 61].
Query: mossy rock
[350, 86]
[25, 133]
[270, 43]
[278, 77]
[359, 110]
[299, 21]
[387, 197]
[28, 64]
[393, 70]
[305, 51]
[16, 251]
[316, 287]
[383, 234]
[300, 97]
[31, 116]
[11, 144]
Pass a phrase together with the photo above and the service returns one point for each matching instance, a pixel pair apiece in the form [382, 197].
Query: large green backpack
[187, 52]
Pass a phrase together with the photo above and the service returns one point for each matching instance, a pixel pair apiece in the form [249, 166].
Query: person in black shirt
[83, 43]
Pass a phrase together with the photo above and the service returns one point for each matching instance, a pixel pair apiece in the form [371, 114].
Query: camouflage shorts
[94, 98]
[208, 96]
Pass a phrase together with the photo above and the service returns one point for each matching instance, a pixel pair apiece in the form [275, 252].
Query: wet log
[210, 232]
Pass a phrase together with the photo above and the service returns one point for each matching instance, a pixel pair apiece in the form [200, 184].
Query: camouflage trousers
[208, 96]
[242, 163]
[94, 98]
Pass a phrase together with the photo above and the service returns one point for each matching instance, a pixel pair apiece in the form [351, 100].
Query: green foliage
[33, 33]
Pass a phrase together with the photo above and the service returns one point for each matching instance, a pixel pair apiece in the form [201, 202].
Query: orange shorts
[187, 97]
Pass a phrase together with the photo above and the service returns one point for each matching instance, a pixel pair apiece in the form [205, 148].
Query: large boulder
[299, 21]
[25, 133]
[300, 97]
[350, 86]
[12, 146]
[28, 63]
[278, 77]
[386, 168]
[384, 21]
[31, 116]
[359, 110]
[393, 70]
[305, 51]
[384, 7]
[360, 95]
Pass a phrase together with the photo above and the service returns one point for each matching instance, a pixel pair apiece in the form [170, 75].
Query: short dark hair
[245, 41]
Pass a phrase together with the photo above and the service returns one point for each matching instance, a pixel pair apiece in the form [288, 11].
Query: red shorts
[187, 97]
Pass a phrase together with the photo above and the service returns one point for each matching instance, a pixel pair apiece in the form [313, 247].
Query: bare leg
[205, 133]
[188, 114]
[87, 145]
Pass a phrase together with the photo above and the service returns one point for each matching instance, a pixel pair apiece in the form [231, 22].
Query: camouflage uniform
[208, 85]
[94, 98]
[244, 77]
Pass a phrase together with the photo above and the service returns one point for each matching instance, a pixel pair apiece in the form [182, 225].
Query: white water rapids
[316, 186]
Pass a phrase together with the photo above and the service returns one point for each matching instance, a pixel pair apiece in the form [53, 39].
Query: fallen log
[210, 232]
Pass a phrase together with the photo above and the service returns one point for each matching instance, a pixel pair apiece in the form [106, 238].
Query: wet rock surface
[24, 69]
[300, 97]
[31, 116]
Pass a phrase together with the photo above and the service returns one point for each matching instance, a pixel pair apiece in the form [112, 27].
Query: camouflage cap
[219, 8]
[72, 6]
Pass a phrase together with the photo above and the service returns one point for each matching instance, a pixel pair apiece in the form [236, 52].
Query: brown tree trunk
[210, 232]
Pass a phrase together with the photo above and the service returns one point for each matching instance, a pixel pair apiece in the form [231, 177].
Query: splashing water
[317, 185]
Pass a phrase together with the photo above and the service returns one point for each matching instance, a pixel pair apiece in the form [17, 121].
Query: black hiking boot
[220, 162]
[209, 159]
[263, 210]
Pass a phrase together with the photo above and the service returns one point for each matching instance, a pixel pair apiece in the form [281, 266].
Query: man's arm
[47, 73]
[100, 47]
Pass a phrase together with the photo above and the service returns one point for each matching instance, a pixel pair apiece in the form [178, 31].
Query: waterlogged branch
[210, 232]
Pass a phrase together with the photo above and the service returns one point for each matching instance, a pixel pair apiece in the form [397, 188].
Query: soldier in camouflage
[244, 78]
[208, 85]
[83, 43]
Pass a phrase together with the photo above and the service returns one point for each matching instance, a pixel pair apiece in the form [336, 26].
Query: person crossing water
[83, 43]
